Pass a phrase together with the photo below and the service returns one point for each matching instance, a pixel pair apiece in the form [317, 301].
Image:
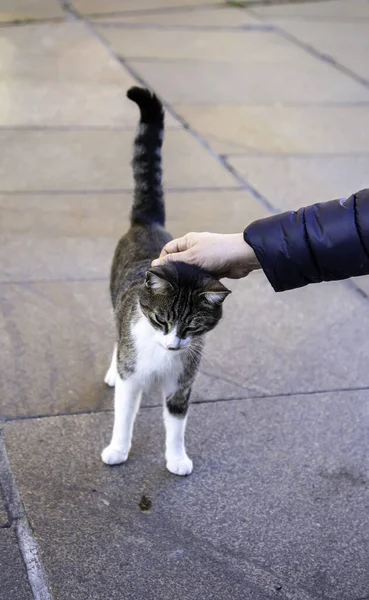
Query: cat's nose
[174, 346]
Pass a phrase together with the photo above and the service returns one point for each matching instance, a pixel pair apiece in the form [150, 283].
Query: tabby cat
[162, 314]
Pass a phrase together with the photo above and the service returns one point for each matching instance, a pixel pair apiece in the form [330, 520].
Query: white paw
[110, 456]
[111, 377]
[180, 466]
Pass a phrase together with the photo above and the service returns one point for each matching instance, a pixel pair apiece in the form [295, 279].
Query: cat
[161, 313]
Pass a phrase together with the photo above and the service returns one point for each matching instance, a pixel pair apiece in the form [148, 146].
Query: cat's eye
[156, 322]
[191, 330]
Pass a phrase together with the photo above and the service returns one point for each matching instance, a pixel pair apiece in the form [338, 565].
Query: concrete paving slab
[330, 10]
[74, 236]
[363, 284]
[346, 43]
[56, 345]
[281, 129]
[99, 160]
[291, 342]
[276, 506]
[289, 182]
[57, 50]
[194, 82]
[58, 74]
[13, 10]
[13, 579]
[221, 46]
[203, 17]
[4, 520]
[87, 7]
[267, 344]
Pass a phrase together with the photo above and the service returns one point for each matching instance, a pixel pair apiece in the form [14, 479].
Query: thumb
[177, 256]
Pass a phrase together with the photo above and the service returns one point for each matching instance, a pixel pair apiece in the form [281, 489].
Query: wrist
[251, 258]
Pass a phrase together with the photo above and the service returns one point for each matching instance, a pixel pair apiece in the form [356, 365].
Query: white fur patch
[178, 462]
[154, 360]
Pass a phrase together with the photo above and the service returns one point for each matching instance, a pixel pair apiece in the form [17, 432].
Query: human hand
[223, 255]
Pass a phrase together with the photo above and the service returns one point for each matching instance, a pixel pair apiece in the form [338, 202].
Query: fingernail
[155, 263]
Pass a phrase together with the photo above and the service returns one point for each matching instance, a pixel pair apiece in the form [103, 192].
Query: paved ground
[268, 109]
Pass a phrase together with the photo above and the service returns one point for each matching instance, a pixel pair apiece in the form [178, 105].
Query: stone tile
[197, 17]
[56, 344]
[13, 10]
[278, 500]
[74, 236]
[252, 47]
[87, 7]
[14, 583]
[346, 43]
[363, 284]
[332, 10]
[289, 182]
[58, 74]
[99, 159]
[293, 342]
[307, 81]
[281, 129]
[4, 520]
[266, 344]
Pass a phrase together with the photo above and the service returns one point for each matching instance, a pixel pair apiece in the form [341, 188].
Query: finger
[174, 257]
[177, 245]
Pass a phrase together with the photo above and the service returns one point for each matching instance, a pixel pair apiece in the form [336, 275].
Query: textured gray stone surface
[88, 7]
[4, 520]
[338, 42]
[99, 159]
[278, 497]
[289, 182]
[57, 341]
[25, 10]
[330, 10]
[73, 236]
[305, 81]
[220, 46]
[202, 16]
[13, 579]
[267, 343]
[291, 342]
[285, 130]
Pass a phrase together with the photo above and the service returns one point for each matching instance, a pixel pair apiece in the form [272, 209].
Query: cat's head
[181, 302]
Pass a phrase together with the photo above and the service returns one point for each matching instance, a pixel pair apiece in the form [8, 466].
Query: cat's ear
[156, 282]
[215, 293]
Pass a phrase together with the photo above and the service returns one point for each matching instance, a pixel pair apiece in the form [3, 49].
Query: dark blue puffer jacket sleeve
[322, 242]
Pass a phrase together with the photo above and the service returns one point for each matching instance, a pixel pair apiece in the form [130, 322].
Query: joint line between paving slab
[102, 411]
[27, 544]
[146, 11]
[326, 58]
[100, 191]
[158, 27]
[21, 22]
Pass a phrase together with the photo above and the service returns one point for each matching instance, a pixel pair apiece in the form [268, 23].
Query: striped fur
[148, 203]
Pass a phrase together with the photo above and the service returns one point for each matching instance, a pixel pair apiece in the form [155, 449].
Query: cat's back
[133, 256]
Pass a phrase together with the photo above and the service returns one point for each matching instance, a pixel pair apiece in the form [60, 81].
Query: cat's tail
[148, 203]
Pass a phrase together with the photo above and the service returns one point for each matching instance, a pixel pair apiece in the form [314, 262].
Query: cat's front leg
[126, 404]
[111, 375]
[175, 417]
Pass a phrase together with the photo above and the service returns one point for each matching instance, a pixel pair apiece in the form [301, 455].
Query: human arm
[323, 242]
